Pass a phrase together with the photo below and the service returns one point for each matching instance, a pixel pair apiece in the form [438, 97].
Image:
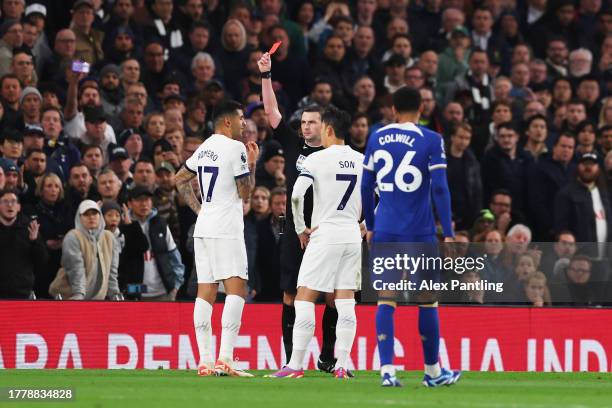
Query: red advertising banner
[48, 334]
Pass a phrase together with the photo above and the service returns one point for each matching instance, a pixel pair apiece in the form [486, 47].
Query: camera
[80, 66]
[136, 288]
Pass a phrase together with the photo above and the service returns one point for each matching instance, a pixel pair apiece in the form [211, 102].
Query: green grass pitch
[163, 388]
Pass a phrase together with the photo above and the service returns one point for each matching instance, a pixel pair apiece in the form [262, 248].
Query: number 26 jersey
[402, 157]
[218, 162]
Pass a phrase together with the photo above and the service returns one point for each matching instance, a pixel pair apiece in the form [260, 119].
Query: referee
[296, 150]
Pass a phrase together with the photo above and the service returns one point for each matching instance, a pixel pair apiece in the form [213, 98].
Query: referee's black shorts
[290, 260]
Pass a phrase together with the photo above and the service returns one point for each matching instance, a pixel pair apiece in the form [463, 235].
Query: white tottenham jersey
[218, 162]
[335, 174]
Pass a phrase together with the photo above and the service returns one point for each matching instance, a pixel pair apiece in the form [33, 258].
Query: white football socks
[345, 330]
[387, 369]
[433, 370]
[231, 320]
[202, 311]
[303, 330]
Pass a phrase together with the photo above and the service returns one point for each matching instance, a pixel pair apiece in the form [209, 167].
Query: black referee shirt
[296, 151]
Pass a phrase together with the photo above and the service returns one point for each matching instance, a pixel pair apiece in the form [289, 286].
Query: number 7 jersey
[218, 162]
[402, 157]
[336, 176]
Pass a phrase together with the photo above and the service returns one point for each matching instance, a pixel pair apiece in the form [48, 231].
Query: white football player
[225, 170]
[332, 260]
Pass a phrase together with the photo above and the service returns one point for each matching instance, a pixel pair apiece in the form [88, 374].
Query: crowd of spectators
[103, 100]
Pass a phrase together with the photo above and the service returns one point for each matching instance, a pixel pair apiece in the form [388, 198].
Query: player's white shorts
[326, 267]
[218, 258]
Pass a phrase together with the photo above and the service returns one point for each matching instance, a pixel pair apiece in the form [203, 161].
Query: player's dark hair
[225, 110]
[407, 100]
[338, 119]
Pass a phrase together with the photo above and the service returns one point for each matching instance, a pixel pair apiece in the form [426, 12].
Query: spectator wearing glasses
[580, 284]
[21, 249]
[505, 165]
[11, 38]
[503, 211]
[64, 49]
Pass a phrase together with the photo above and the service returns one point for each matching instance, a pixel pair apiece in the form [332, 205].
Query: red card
[275, 47]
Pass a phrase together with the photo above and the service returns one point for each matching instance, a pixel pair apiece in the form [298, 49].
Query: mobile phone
[80, 66]
[136, 288]
[33, 217]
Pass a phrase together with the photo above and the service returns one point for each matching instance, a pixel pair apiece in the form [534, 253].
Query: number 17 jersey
[218, 162]
[402, 157]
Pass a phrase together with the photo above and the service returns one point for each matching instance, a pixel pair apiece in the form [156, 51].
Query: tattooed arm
[246, 184]
[185, 189]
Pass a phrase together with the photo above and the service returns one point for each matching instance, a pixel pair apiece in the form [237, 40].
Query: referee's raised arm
[269, 99]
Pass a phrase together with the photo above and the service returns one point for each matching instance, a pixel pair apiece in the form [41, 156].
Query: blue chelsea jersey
[402, 157]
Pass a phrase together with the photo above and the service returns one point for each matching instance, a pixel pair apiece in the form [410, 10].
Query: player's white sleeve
[191, 163]
[297, 201]
[239, 162]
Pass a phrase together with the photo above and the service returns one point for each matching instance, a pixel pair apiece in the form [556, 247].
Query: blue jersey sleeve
[437, 156]
[439, 184]
[368, 186]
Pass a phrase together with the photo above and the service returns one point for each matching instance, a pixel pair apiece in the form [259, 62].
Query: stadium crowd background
[520, 89]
